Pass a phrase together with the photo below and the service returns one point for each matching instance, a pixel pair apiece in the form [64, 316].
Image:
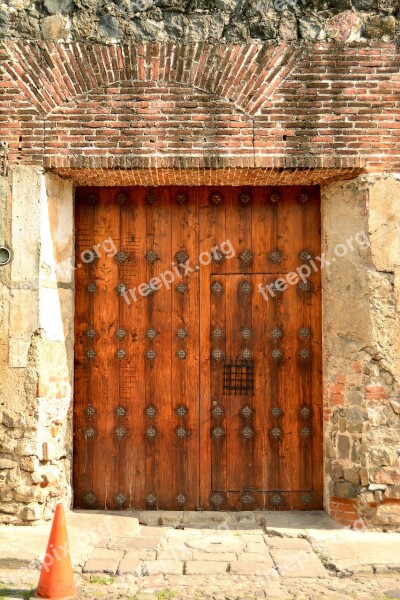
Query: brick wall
[74, 106]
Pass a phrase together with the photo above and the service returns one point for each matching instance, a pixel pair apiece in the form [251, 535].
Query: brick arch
[53, 74]
[141, 119]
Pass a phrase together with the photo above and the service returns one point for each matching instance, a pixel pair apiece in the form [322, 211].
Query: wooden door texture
[198, 349]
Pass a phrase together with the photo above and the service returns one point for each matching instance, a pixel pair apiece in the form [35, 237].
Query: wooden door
[197, 386]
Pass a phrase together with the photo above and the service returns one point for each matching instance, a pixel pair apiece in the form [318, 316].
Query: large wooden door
[198, 371]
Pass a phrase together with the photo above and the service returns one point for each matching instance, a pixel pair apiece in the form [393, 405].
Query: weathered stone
[387, 475]
[344, 27]
[392, 492]
[288, 26]
[26, 493]
[387, 514]
[32, 512]
[294, 563]
[343, 445]
[379, 27]
[109, 27]
[205, 567]
[382, 456]
[311, 29]
[6, 463]
[10, 508]
[352, 475]
[165, 567]
[55, 27]
[59, 6]
[395, 404]
[355, 418]
[345, 490]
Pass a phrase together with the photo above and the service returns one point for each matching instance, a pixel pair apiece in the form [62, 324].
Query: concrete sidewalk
[212, 555]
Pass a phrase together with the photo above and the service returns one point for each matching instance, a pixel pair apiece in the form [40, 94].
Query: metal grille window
[239, 377]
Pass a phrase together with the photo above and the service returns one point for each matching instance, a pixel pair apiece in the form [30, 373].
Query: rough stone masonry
[201, 93]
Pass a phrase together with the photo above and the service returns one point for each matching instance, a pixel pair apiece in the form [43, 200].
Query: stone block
[205, 567]
[134, 543]
[387, 514]
[260, 569]
[7, 463]
[55, 27]
[101, 565]
[130, 566]
[202, 556]
[59, 6]
[295, 563]
[343, 489]
[288, 543]
[32, 512]
[163, 567]
[105, 553]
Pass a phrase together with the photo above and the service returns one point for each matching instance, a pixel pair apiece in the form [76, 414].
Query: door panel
[186, 395]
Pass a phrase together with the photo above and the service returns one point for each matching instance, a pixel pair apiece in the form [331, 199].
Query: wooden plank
[130, 203]
[83, 447]
[105, 366]
[185, 371]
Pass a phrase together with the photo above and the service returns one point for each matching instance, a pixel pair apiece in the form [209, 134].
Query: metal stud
[216, 499]
[120, 257]
[276, 353]
[217, 411]
[89, 498]
[181, 288]
[181, 432]
[246, 333]
[305, 255]
[217, 287]
[120, 432]
[90, 411]
[277, 333]
[218, 432]
[246, 354]
[181, 354]
[304, 286]
[217, 333]
[217, 354]
[305, 412]
[276, 499]
[246, 411]
[151, 198]
[304, 333]
[181, 333]
[181, 499]
[91, 288]
[306, 498]
[274, 197]
[89, 432]
[151, 499]
[245, 197]
[277, 411]
[120, 333]
[151, 432]
[120, 499]
[90, 354]
[151, 354]
[120, 354]
[151, 333]
[90, 333]
[303, 197]
[275, 432]
[215, 198]
[120, 411]
[181, 256]
[218, 256]
[305, 432]
[245, 287]
[122, 198]
[181, 198]
[151, 411]
[121, 289]
[92, 199]
[181, 410]
[275, 256]
[246, 498]
[304, 353]
[246, 257]
[247, 432]
[151, 256]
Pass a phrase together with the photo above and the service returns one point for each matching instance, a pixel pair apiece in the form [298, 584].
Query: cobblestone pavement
[165, 563]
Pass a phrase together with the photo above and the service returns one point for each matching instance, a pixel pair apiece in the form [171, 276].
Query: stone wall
[361, 340]
[112, 21]
[36, 345]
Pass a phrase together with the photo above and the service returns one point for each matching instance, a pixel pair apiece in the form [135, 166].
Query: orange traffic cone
[56, 578]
